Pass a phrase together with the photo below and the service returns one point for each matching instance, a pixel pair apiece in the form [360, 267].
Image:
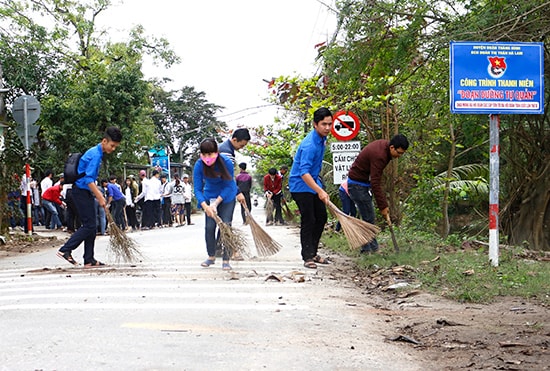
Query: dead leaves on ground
[295, 276]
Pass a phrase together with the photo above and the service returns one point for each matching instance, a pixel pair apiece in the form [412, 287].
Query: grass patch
[454, 270]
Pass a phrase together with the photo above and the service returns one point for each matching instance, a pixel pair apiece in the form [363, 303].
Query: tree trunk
[392, 174]
[3, 178]
[531, 222]
[446, 226]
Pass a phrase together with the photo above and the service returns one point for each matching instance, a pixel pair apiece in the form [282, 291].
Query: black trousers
[71, 213]
[187, 207]
[278, 209]
[131, 216]
[167, 211]
[85, 203]
[313, 218]
[147, 217]
[157, 213]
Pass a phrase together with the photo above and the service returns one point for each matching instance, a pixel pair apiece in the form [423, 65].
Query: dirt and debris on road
[508, 334]
[20, 243]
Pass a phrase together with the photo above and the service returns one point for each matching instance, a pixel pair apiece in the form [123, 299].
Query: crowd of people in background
[137, 202]
[158, 201]
[161, 200]
[134, 204]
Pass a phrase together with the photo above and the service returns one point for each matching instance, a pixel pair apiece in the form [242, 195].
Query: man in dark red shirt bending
[273, 188]
[365, 178]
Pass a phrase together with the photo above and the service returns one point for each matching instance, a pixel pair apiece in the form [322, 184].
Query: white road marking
[146, 306]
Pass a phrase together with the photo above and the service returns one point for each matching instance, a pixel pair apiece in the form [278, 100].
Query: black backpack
[70, 171]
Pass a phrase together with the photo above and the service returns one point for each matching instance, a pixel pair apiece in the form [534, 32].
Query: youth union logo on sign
[497, 67]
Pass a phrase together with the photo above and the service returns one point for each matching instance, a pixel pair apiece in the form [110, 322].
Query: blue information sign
[161, 163]
[497, 77]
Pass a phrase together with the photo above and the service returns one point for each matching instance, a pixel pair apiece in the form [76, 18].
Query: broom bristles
[232, 239]
[265, 245]
[288, 213]
[269, 209]
[121, 245]
[358, 232]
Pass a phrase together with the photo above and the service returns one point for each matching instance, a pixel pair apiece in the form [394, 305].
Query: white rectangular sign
[343, 155]
[350, 146]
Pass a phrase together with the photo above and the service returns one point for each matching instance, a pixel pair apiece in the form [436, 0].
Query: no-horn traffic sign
[345, 125]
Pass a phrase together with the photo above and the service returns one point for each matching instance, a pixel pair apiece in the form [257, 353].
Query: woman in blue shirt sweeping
[215, 189]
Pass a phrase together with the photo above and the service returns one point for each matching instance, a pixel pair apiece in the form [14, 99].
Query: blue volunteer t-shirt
[207, 188]
[308, 159]
[89, 165]
[114, 192]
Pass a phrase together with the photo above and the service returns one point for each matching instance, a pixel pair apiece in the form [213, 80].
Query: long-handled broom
[358, 232]
[232, 239]
[269, 208]
[393, 239]
[288, 213]
[265, 245]
[121, 245]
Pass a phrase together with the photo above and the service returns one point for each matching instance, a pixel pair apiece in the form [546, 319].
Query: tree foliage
[183, 119]
[389, 61]
[53, 50]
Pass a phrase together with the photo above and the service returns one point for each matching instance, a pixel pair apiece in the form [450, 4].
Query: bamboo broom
[265, 245]
[232, 239]
[288, 213]
[358, 232]
[121, 245]
[269, 207]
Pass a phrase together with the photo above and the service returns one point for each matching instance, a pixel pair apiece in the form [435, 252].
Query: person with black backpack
[85, 192]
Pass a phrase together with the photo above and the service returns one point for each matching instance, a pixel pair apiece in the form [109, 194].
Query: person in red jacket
[273, 188]
[51, 197]
[365, 179]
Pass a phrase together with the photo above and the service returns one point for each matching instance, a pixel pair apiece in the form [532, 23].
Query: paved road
[168, 313]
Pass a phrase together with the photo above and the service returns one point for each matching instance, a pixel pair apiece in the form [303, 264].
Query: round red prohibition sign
[345, 125]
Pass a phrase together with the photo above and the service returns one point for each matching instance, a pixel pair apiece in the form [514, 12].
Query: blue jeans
[225, 212]
[348, 206]
[313, 214]
[362, 196]
[55, 221]
[85, 203]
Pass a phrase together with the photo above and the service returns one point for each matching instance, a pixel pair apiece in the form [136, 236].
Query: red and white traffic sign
[345, 125]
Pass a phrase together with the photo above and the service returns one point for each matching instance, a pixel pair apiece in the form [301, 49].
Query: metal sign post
[494, 169]
[25, 111]
[496, 78]
[27, 166]
[29, 204]
[26, 123]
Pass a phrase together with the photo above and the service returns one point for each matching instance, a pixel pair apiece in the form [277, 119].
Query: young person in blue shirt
[238, 140]
[306, 187]
[85, 192]
[215, 189]
[116, 201]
